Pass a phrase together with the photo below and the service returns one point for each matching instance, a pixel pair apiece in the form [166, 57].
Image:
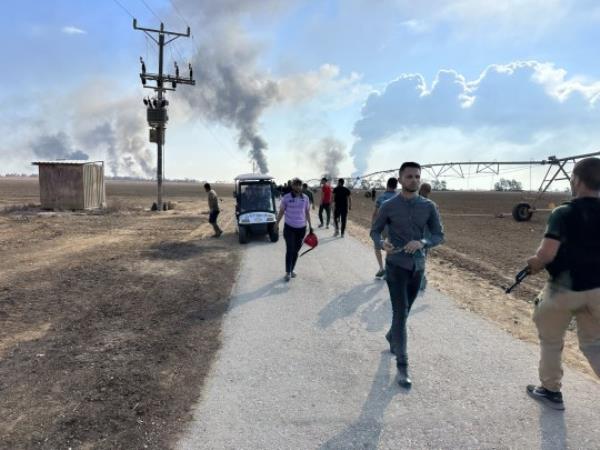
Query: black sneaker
[403, 377]
[552, 399]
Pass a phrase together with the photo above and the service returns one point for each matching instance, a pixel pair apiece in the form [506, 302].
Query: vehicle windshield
[256, 197]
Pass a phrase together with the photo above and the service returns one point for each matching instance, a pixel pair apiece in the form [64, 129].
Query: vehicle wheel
[243, 235]
[273, 233]
[522, 212]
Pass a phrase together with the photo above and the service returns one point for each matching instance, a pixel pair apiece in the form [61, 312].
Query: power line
[151, 10]
[123, 8]
[179, 13]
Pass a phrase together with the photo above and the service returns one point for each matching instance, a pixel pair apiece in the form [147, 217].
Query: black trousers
[340, 213]
[327, 208]
[293, 241]
[403, 285]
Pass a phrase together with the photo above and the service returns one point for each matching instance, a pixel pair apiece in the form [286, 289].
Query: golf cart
[255, 208]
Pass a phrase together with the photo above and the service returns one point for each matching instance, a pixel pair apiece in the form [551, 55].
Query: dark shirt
[340, 197]
[575, 225]
[309, 194]
[408, 220]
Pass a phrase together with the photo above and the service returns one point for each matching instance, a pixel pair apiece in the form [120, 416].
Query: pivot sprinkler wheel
[522, 212]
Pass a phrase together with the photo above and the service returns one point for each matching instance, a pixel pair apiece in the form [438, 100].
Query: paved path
[304, 366]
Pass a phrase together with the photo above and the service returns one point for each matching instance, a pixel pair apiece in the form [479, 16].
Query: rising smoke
[328, 154]
[56, 146]
[230, 90]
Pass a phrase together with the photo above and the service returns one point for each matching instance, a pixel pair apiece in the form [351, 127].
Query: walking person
[296, 208]
[306, 191]
[342, 204]
[406, 216]
[325, 205]
[390, 192]
[213, 208]
[570, 252]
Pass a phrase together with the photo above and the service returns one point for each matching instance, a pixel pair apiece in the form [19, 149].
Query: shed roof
[66, 162]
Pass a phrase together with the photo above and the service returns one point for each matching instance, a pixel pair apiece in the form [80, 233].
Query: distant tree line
[504, 185]
[439, 185]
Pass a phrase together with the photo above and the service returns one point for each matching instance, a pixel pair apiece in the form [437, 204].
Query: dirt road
[304, 365]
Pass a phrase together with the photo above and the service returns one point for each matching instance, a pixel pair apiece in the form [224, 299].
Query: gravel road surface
[304, 365]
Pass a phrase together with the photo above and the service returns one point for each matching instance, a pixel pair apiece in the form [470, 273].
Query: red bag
[312, 241]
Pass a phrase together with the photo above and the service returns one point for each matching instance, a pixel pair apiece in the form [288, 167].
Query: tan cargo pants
[552, 316]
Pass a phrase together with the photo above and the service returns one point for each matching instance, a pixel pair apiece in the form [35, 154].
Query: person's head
[585, 179]
[207, 187]
[425, 190]
[289, 183]
[304, 186]
[392, 184]
[323, 181]
[410, 176]
[296, 185]
[341, 182]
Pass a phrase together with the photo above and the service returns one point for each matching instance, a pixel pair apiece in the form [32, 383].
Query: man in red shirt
[326, 193]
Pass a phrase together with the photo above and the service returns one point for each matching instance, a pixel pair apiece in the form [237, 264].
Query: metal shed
[71, 184]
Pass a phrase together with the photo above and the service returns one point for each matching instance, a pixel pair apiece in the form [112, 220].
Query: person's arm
[281, 211]
[544, 255]
[377, 228]
[550, 244]
[375, 212]
[307, 211]
[349, 201]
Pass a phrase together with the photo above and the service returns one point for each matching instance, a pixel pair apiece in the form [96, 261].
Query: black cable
[151, 10]
[123, 8]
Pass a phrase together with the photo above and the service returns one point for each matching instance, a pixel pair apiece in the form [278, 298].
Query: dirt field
[482, 254]
[109, 321]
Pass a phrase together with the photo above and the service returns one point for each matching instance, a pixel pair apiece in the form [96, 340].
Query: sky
[303, 88]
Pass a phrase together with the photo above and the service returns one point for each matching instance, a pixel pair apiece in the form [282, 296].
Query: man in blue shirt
[389, 193]
[406, 215]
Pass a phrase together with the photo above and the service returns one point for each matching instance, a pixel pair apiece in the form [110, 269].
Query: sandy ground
[109, 320]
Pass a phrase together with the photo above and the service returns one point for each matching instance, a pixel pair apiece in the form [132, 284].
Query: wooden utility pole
[157, 106]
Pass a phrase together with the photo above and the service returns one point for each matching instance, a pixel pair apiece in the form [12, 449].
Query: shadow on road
[553, 429]
[364, 433]
[347, 303]
[275, 287]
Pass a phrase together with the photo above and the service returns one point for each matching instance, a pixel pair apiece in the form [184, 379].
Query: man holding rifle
[570, 252]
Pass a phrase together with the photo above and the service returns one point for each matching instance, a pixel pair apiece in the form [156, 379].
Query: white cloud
[325, 85]
[516, 104]
[505, 18]
[415, 26]
[72, 30]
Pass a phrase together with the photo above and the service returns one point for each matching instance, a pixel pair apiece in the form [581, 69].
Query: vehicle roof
[253, 177]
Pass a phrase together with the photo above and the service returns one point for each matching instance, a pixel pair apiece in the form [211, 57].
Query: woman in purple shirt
[296, 208]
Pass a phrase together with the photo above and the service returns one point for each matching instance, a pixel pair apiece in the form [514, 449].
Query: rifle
[518, 279]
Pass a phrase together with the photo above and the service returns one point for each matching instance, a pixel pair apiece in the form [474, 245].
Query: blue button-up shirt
[407, 220]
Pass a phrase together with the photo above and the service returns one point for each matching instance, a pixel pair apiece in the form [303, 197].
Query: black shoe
[552, 399]
[388, 336]
[403, 376]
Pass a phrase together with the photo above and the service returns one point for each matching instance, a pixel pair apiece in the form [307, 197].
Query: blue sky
[353, 81]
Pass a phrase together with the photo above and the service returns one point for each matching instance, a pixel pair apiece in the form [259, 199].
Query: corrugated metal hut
[71, 184]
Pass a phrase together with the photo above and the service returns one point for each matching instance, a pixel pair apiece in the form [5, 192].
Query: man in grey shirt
[407, 216]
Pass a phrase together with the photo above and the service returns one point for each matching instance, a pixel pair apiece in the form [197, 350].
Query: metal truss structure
[557, 171]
